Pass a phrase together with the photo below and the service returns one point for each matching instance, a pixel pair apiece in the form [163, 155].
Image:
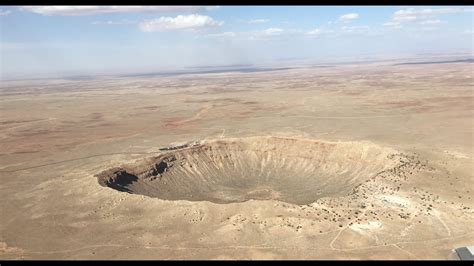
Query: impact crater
[292, 170]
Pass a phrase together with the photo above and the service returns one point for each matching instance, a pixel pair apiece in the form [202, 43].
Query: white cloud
[431, 22]
[349, 17]
[423, 16]
[427, 11]
[4, 13]
[110, 22]
[94, 10]
[411, 14]
[228, 34]
[253, 35]
[211, 8]
[404, 18]
[392, 24]
[272, 31]
[427, 28]
[257, 21]
[355, 29]
[314, 32]
[189, 22]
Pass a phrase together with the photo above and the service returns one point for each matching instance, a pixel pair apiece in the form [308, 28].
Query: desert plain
[343, 161]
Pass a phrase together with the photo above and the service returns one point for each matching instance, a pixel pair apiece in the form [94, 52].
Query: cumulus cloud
[181, 22]
[110, 22]
[404, 18]
[428, 28]
[252, 35]
[431, 22]
[210, 8]
[227, 34]
[423, 16]
[272, 31]
[314, 32]
[355, 29]
[359, 30]
[257, 21]
[411, 14]
[94, 10]
[4, 13]
[425, 12]
[391, 24]
[349, 17]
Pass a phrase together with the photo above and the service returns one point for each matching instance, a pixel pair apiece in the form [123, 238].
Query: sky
[65, 40]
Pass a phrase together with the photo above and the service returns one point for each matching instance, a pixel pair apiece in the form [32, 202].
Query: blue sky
[59, 40]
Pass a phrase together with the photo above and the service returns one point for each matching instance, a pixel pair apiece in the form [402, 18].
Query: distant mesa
[470, 60]
[208, 71]
[223, 66]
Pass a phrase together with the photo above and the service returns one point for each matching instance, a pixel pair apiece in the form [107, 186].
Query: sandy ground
[56, 135]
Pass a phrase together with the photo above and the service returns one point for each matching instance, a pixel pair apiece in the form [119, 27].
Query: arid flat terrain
[355, 161]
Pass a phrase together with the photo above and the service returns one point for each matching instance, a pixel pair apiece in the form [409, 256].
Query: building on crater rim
[465, 253]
